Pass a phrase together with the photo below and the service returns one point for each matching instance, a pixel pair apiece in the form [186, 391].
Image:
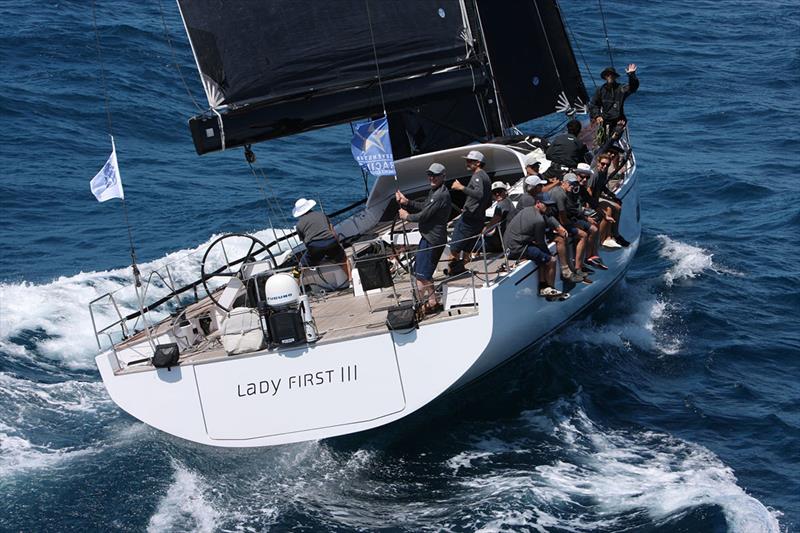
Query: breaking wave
[18, 454]
[49, 410]
[603, 479]
[638, 318]
[688, 261]
[53, 320]
[186, 505]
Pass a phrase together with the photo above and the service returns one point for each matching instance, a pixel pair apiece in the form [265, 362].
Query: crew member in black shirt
[432, 214]
[567, 150]
[607, 106]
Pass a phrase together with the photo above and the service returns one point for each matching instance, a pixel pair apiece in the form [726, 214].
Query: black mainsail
[447, 72]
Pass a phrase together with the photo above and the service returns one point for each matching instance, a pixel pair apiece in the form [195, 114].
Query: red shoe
[596, 262]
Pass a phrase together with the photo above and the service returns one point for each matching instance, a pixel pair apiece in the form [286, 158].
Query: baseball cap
[475, 156]
[499, 185]
[437, 169]
[532, 161]
[533, 181]
[571, 178]
[545, 198]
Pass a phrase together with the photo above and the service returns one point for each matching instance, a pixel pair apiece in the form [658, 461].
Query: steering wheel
[256, 247]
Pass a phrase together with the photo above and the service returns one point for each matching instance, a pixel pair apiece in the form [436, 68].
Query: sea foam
[52, 319]
[688, 261]
[606, 479]
[185, 506]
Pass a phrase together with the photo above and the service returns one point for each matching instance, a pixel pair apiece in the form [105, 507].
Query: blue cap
[545, 198]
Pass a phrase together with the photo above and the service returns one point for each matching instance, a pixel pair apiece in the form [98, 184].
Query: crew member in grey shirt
[432, 215]
[503, 211]
[317, 233]
[473, 216]
[525, 238]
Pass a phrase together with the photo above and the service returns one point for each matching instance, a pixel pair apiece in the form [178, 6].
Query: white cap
[302, 206]
[533, 181]
[500, 185]
[583, 168]
[531, 160]
[475, 155]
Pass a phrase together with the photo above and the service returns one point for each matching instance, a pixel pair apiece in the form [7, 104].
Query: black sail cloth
[254, 53]
[285, 66]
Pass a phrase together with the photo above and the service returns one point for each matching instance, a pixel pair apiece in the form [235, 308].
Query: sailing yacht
[260, 351]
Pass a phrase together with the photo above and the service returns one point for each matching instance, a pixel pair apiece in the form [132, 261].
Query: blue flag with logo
[372, 148]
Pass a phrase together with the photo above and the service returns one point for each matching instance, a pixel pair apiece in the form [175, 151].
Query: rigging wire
[549, 48]
[111, 134]
[554, 130]
[269, 212]
[580, 52]
[175, 58]
[102, 71]
[605, 31]
[375, 55]
[134, 267]
[272, 205]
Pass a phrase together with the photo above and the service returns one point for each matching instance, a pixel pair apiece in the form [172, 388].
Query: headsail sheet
[531, 57]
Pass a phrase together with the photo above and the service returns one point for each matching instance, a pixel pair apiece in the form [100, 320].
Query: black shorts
[316, 251]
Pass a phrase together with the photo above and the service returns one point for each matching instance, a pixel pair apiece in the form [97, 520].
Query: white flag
[107, 184]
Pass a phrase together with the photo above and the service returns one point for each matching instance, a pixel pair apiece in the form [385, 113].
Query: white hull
[335, 388]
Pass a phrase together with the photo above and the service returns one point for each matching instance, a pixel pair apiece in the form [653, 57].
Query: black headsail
[531, 58]
[280, 67]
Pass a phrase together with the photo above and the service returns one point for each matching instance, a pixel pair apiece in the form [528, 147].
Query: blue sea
[672, 406]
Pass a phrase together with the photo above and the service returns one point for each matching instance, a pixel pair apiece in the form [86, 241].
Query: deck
[340, 315]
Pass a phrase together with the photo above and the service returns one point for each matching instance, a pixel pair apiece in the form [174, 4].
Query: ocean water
[673, 406]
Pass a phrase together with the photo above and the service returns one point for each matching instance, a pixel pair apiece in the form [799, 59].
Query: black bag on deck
[402, 318]
[374, 272]
[166, 355]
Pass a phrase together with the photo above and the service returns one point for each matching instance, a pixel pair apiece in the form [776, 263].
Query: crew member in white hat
[317, 233]
[473, 215]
